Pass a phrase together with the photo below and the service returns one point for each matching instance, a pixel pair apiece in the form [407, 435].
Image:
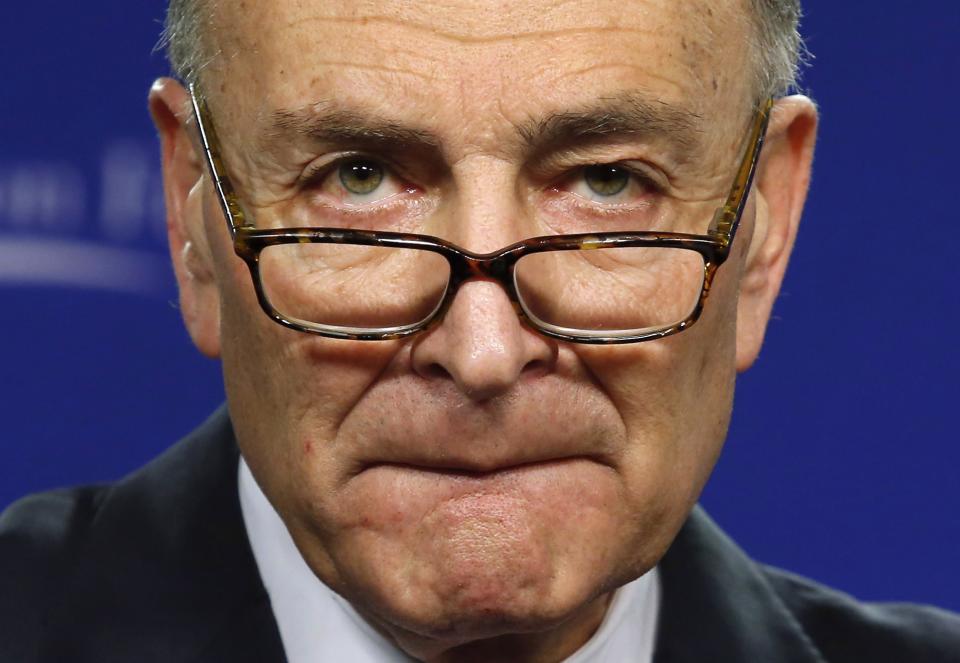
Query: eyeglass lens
[605, 291]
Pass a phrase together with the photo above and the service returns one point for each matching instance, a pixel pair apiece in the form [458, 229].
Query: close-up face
[479, 478]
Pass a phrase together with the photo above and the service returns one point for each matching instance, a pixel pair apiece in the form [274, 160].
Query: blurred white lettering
[50, 235]
[41, 196]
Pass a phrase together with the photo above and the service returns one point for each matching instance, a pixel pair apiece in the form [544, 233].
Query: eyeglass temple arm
[726, 220]
[211, 150]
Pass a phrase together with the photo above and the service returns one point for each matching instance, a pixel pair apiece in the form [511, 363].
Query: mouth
[392, 496]
[441, 481]
[466, 471]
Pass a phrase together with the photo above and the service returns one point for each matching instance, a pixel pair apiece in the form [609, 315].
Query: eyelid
[562, 166]
[644, 175]
[643, 172]
[321, 167]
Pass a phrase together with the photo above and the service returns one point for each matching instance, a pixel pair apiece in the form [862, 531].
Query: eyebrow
[318, 123]
[626, 114]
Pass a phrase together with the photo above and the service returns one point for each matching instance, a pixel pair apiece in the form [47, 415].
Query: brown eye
[606, 180]
[361, 177]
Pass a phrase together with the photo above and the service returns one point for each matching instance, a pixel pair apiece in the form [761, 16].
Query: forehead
[479, 58]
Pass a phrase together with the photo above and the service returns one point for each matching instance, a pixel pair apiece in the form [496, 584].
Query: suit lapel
[718, 605]
[165, 572]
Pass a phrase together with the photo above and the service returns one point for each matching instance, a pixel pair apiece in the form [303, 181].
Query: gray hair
[182, 37]
[778, 48]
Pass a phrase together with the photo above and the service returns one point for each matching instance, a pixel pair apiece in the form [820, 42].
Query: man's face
[477, 479]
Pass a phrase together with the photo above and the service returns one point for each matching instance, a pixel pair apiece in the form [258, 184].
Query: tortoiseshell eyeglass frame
[714, 247]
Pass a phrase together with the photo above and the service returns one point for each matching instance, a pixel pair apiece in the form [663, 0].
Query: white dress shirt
[317, 625]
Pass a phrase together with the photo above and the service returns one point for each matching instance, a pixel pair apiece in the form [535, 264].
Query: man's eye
[608, 183]
[605, 179]
[358, 182]
[360, 177]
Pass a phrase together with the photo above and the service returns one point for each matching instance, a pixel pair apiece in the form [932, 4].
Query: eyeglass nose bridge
[496, 267]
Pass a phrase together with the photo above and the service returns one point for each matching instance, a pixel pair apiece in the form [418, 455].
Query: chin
[490, 603]
[459, 578]
[454, 557]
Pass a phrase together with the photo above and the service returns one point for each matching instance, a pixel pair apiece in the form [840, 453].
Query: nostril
[536, 368]
[434, 371]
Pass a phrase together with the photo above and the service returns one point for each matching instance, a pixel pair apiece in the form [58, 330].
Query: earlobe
[183, 194]
[199, 299]
[780, 190]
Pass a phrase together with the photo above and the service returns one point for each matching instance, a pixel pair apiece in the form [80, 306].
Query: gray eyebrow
[627, 114]
[322, 124]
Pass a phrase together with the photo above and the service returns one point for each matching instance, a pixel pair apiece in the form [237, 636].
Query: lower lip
[407, 487]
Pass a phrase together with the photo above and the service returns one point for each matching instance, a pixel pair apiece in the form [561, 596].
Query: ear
[182, 186]
[782, 180]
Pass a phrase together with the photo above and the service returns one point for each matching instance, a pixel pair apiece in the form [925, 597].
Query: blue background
[843, 460]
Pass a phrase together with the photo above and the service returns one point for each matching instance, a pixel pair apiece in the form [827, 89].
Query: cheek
[288, 395]
[288, 391]
[658, 387]
[675, 398]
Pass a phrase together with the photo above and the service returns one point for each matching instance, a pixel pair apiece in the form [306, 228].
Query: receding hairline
[777, 50]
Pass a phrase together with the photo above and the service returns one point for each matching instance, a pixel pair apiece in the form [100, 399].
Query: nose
[481, 344]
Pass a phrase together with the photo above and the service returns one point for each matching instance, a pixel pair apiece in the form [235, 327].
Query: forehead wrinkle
[648, 75]
[627, 114]
[366, 20]
[386, 69]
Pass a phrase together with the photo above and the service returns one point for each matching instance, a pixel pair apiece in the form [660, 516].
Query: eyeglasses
[601, 288]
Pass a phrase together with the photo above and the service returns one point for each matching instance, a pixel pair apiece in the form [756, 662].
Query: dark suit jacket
[157, 568]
